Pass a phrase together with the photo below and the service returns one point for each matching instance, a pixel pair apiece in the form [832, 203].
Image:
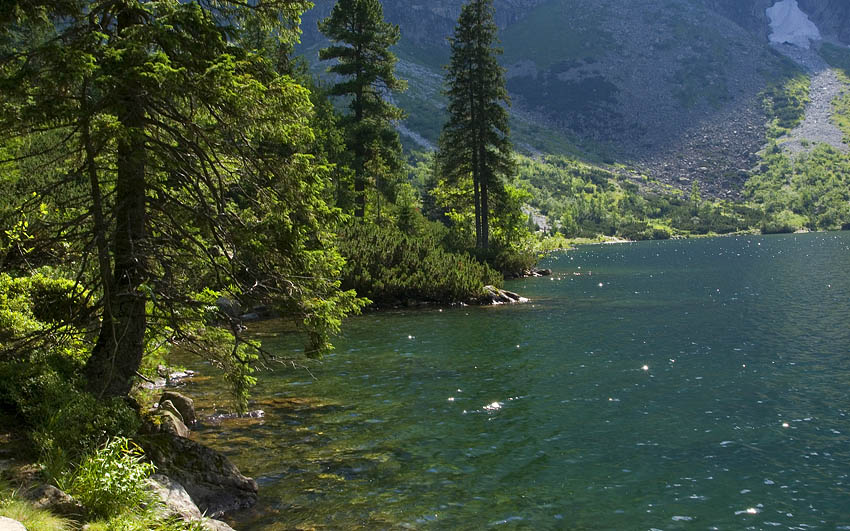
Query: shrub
[63, 422]
[386, 265]
[783, 222]
[112, 479]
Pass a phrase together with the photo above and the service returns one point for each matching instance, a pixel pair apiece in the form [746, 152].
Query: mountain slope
[672, 88]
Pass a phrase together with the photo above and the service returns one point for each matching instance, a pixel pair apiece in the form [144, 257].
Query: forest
[168, 166]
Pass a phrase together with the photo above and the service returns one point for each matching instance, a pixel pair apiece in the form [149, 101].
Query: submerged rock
[213, 482]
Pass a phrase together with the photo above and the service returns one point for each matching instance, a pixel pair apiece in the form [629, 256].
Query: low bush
[112, 479]
[387, 265]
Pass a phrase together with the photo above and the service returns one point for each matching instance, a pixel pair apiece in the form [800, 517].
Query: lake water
[695, 384]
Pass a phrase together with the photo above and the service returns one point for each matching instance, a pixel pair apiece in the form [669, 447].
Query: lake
[690, 384]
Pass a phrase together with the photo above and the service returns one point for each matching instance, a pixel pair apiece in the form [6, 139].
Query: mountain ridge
[674, 89]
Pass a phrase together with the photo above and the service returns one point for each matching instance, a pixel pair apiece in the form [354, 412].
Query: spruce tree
[364, 62]
[475, 141]
[160, 159]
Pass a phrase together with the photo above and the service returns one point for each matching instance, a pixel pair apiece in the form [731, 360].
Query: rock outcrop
[211, 480]
[50, 498]
[494, 295]
[183, 404]
[177, 502]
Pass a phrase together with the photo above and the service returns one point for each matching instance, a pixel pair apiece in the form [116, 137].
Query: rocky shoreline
[192, 482]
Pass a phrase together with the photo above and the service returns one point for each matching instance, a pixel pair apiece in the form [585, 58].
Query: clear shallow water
[691, 384]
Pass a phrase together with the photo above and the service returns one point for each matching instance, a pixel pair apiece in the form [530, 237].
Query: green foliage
[216, 172]
[361, 41]
[810, 191]
[390, 266]
[112, 479]
[785, 103]
[784, 221]
[584, 201]
[40, 383]
[475, 142]
[48, 311]
[63, 422]
[841, 113]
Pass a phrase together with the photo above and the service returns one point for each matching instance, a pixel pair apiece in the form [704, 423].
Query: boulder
[169, 423]
[7, 524]
[168, 405]
[54, 500]
[228, 307]
[213, 482]
[177, 502]
[182, 403]
[174, 497]
[216, 525]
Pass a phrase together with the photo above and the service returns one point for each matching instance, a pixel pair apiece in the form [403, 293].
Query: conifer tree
[171, 168]
[364, 62]
[475, 141]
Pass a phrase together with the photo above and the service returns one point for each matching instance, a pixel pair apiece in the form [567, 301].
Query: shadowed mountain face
[672, 87]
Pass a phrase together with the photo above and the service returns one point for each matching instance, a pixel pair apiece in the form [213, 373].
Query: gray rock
[216, 525]
[228, 307]
[168, 405]
[183, 404]
[214, 483]
[7, 524]
[174, 497]
[52, 499]
[169, 423]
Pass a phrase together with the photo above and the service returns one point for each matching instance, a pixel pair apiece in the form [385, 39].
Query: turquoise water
[696, 384]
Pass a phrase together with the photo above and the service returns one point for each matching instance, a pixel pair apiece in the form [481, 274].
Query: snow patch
[788, 24]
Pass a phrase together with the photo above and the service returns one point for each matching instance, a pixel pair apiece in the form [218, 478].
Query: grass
[32, 518]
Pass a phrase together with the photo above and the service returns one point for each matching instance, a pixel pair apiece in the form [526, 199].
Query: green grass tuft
[32, 518]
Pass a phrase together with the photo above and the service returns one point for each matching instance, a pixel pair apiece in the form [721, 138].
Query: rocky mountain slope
[671, 88]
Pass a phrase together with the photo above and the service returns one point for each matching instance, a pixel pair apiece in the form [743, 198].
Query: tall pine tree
[475, 141]
[364, 62]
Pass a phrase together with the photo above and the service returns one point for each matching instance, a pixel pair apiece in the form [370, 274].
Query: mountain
[672, 88]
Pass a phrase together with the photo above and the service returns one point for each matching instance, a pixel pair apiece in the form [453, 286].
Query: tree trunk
[120, 345]
[485, 212]
[476, 169]
[359, 151]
